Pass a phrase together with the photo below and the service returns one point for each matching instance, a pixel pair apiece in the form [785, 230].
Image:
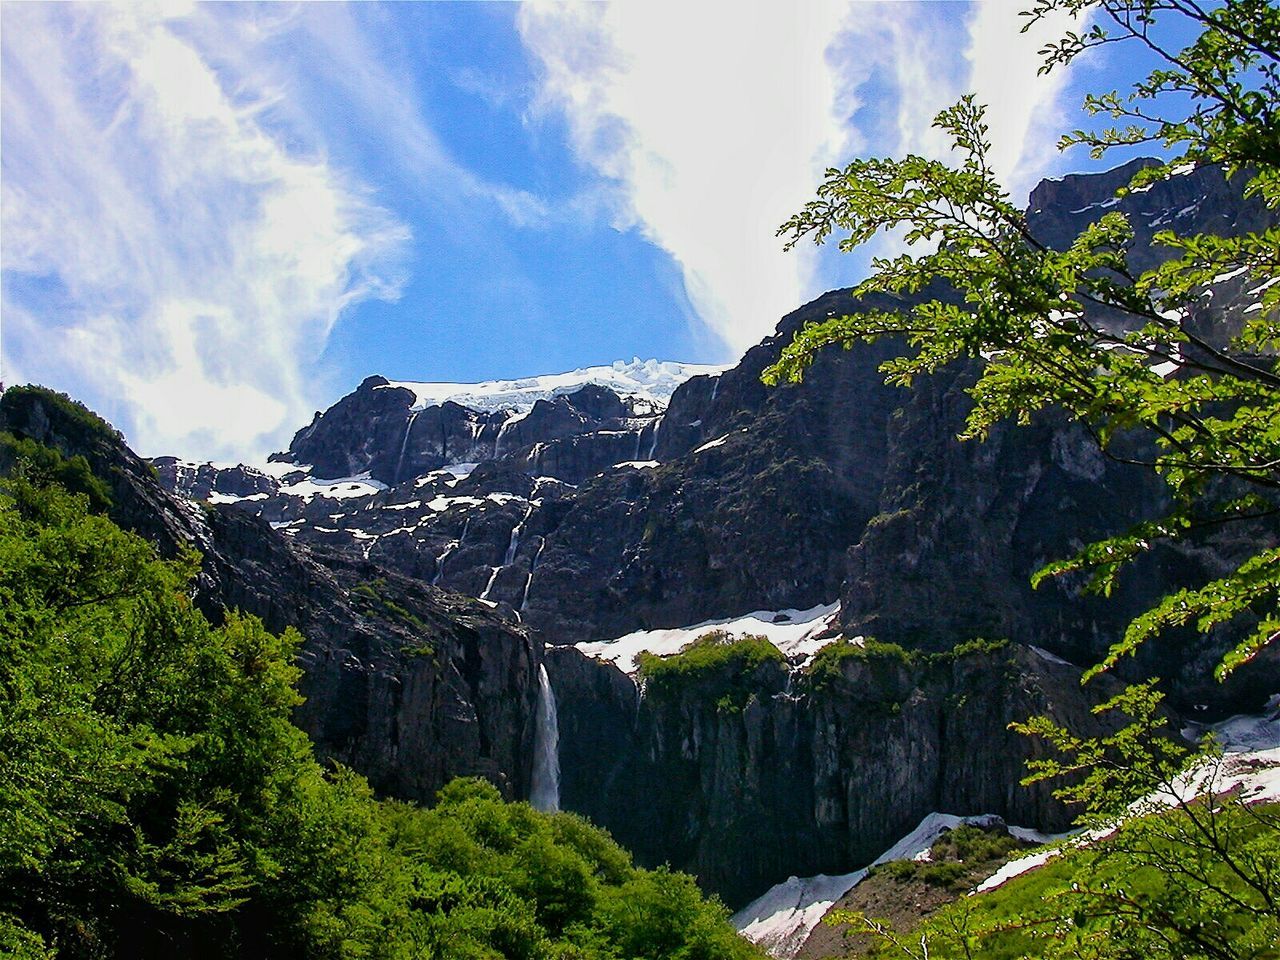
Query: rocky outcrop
[380, 431]
[204, 481]
[408, 685]
[822, 768]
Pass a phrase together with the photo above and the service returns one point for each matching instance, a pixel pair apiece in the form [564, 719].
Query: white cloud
[1024, 109]
[198, 264]
[715, 119]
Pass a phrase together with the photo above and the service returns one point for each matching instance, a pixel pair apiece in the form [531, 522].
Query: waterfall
[715, 388]
[512, 546]
[653, 445]
[524, 599]
[506, 425]
[451, 546]
[514, 543]
[544, 788]
[639, 437]
[404, 445]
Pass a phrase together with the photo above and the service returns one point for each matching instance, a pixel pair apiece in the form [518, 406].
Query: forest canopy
[156, 799]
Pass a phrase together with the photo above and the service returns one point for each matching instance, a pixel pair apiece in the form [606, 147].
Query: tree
[1191, 869]
[1120, 349]
[1081, 329]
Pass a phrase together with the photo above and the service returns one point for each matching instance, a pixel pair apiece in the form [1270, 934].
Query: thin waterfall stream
[653, 445]
[404, 444]
[451, 546]
[544, 787]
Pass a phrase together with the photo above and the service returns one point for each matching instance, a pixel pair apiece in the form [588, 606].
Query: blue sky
[218, 218]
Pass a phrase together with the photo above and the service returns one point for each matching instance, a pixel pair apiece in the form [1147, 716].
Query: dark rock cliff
[816, 774]
[772, 498]
[408, 685]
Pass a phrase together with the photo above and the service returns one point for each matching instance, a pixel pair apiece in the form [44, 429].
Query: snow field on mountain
[652, 380]
[794, 632]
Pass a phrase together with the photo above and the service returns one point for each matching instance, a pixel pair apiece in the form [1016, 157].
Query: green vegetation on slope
[1155, 890]
[720, 667]
[155, 799]
[1189, 870]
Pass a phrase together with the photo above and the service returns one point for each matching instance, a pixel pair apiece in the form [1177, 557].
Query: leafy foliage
[155, 799]
[1081, 329]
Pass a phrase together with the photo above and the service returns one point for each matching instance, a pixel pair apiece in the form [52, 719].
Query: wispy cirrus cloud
[196, 262]
[714, 120]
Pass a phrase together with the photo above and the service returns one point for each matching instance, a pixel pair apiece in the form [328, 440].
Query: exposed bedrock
[816, 776]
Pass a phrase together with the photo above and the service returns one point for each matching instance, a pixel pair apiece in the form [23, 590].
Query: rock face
[206, 482]
[818, 773]
[378, 431]
[648, 518]
[408, 685]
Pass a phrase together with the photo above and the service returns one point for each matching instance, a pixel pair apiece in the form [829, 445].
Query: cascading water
[514, 543]
[524, 599]
[449, 548]
[512, 546]
[544, 789]
[404, 444]
[653, 445]
[502, 430]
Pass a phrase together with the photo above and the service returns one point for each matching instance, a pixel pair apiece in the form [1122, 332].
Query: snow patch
[275, 469]
[1102, 204]
[1052, 658]
[794, 632]
[781, 920]
[344, 488]
[1229, 275]
[636, 464]
[216, 497]
[439, 504]
[710, 444]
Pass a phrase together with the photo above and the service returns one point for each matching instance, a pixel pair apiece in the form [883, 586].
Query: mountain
[640, 499]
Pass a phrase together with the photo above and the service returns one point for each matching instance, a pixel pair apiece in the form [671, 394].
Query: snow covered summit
[651, 380]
